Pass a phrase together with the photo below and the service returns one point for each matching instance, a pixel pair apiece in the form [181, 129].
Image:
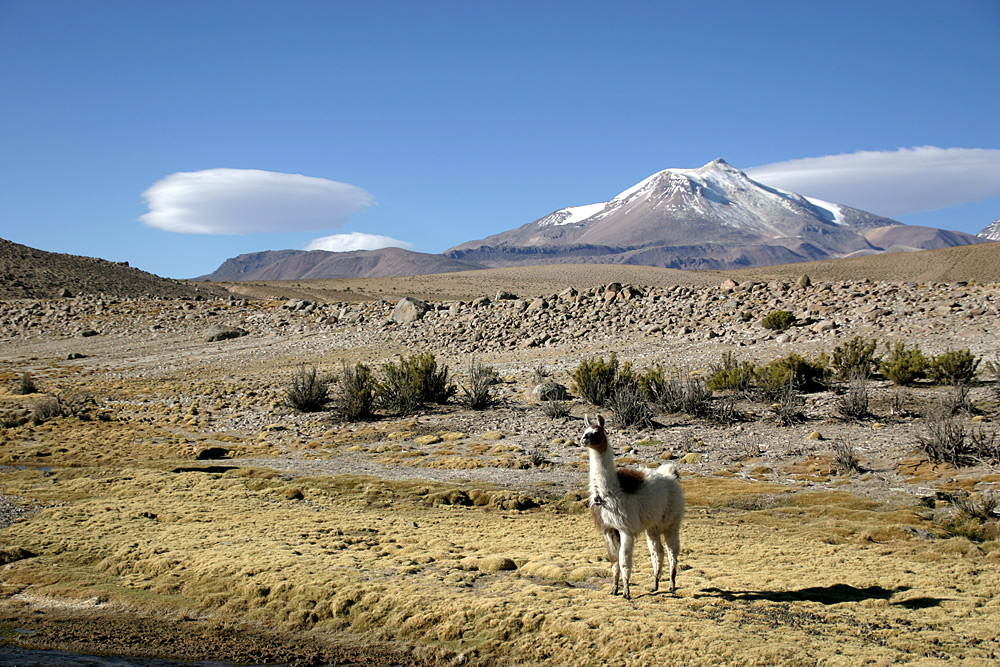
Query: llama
[625, 502]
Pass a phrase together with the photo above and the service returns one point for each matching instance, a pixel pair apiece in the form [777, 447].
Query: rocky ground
[181, 481]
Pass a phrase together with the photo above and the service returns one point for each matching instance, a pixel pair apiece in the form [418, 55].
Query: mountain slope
[992, 232]
[318, 264]
[30, 273]
[712, 217]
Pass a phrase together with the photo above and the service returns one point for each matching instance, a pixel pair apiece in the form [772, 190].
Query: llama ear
[600, 420]
[586, 419]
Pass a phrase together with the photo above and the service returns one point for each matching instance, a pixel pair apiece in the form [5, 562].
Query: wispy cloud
[356, 241]
[891, 183]
[242, 201]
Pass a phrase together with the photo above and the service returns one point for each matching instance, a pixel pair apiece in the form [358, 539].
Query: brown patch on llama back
[630, 479]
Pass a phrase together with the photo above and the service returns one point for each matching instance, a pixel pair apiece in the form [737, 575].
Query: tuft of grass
[307, 391]
[554, 408]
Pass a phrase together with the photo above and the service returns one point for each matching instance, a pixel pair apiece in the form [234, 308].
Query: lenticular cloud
[908, 180]
[356, 241]
[242, 201]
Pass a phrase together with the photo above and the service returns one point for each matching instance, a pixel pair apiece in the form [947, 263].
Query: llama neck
[603, 477]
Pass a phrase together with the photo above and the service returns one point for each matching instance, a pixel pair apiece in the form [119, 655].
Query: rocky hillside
[29, 273]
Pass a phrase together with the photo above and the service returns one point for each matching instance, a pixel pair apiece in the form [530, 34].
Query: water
[15, 657]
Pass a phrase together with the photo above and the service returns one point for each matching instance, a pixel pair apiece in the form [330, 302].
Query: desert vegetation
[422, 482]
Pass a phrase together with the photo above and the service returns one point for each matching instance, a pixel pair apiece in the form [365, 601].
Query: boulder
[409, 309]
[223, 332]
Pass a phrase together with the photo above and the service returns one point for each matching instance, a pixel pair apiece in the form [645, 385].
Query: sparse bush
[855, 357]
[431, 381]
[354, 397]
[984, 509]
[795, 372]
[479, 390]
[854, 403]
[629, 404]
[845, 457]
[26, 385]
[957, 401]
[677, 391]
[953, 367]
[308, 391]
[595, 379]
[788, 406]
[45, 409]
[732, 375]
[903, 365]
[778, 320]
[945, 441]
[555, 408]
[13, 418]
[75, 403]
[413, 381]
[993, 368]
[897, 407]
[396, 391]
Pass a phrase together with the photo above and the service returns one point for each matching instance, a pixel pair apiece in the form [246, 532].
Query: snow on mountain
[714, 216]
[992, 232]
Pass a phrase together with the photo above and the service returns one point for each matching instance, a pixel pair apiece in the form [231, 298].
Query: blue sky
[126, 126]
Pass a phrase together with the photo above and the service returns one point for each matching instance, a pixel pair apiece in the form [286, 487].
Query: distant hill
[714, 217]
[29, 273]
[316, 264]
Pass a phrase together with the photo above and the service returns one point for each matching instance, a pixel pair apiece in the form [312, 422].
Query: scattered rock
[409, 309]
[223, 332]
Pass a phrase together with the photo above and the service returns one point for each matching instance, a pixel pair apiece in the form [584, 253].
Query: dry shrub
[778, 320]
[413, 381]
[677, 390]
[595, 379]
[953, 367]
[354, 399]
[732, 375]
[26, 385]
[553, 408]
[855, 357]
[903, 365]
[308, 391]
[479, 390]
[854, 403]
[805, 375]
[629, 405]
[845, 456]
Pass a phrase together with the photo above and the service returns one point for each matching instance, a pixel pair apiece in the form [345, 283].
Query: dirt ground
[190, 514]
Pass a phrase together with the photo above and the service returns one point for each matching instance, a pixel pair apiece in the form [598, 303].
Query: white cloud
[242, 201]
[891, 183]
[356, 241]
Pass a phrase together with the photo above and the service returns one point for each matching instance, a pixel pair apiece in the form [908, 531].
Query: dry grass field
[175, 506]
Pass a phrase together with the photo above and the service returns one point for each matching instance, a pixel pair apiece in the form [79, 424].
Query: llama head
[594, 436]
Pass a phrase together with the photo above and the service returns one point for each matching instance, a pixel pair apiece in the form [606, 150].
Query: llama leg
[613, 544]
[625, 561]
[673, 553]
[655, 555]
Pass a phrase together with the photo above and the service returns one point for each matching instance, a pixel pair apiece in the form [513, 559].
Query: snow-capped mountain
[711, 217]
[992, 232]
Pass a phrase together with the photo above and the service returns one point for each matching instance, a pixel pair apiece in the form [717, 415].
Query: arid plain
[176, 506]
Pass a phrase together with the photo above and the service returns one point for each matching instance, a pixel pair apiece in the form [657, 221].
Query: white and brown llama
[626, 502]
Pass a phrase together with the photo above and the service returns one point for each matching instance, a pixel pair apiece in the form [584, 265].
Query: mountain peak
[991, 232]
